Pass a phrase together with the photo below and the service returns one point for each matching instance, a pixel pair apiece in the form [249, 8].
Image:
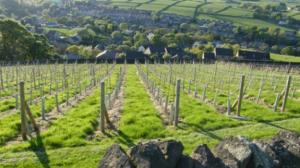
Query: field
[213, 10]
[285, 58]
[142, 101]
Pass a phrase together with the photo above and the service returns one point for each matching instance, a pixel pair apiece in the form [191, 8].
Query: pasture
[82, 109]
[213, 9]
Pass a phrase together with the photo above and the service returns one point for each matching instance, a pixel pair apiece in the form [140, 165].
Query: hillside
[212, 9]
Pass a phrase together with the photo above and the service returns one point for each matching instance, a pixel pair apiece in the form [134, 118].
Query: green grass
[65, 31]
[285, 58]
[66, 144]
[140, 119]
[213, 10]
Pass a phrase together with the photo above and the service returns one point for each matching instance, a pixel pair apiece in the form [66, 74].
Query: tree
[123, 26]
[167, 56]
[275, 49]
[19, 44]
[184, 27]
[121, 55]
[288, 51]
[116, 35]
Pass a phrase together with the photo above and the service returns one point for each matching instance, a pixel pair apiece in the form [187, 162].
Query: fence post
[166, 103]
[286, 93]
[102, 103]
[260, 91]
[177, 100]
[204, 92]
[276, 102]
[228, 106]
[56, 102]
[43, 108]
[195, 92]
[241, 95]
[23, 112]
[17, 100]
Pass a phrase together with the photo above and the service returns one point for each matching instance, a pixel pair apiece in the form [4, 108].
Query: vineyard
[64, 115]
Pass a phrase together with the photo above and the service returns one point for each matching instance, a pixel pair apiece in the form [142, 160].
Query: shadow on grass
[276, 126]
[122, 137]
[39, 149]
[201, 130]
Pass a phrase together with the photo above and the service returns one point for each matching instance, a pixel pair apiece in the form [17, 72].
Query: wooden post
[228, 106]
[103, 108]
[166, 104]
[17, 100]
[204, 92]
[260, 90]
[23, 112]
[276, 102]
[177, 102]
[196, 90]
[43, 108]
[286, 92]
[241, 95]
[172, 114]
[35, 126]
[56, 103]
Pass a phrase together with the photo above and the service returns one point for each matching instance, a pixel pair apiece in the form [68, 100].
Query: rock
[234, 152]
[172, 151]
[115, 157]
[148, 155]
[204, 158]
[263, 156]
[185, 162]
[286, 146]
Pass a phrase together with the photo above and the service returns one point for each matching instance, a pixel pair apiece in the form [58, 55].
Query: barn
[223, 53]
[253, 55]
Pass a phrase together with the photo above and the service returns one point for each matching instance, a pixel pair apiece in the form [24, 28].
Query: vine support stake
[286, 93]
[239, 105]
[177, 102]
[23, 112]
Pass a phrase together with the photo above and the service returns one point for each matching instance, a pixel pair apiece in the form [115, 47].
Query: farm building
[131, 56]
[253, 55]
[208, 57]
[223, 53]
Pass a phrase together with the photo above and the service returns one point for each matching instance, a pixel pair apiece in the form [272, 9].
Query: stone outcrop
[282, 151]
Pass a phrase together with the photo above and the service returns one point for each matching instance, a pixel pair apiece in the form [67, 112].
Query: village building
[253, 55]
[223, 53]
[208, 57]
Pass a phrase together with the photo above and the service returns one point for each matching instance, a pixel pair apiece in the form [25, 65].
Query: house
[52, 24]
[107, 55]
[141, 49]
[208, 57]
[53, 35]
[71, 56]
[131, 56]
[150, 36]
[283, 22]
[253, 55]
[223, 53]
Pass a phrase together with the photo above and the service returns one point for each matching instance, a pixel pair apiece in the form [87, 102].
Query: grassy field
[74, 140]
[214, 9]
[285, 58]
